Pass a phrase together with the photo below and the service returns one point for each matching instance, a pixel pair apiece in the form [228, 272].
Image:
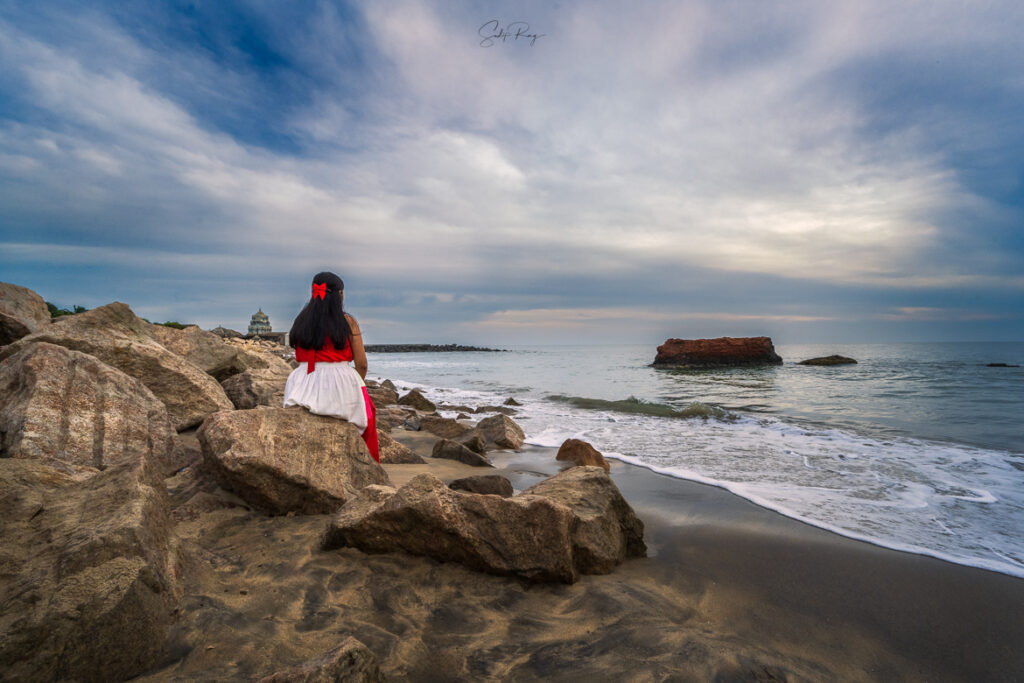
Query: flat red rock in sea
[723, 351]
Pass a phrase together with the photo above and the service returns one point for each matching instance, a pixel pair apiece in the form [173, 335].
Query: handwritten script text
[492, 32]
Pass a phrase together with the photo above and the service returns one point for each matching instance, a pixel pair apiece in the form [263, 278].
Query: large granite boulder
[488, 484]
[203, 349]
[607, 531]
[415, 399]
[445, 427]
[87, 580]
[258, 386]
[474, 441]
[500, 431]
[396, 415]
[64, 407]
[394, 453]
[113, 334]
[381, 395]
[255, 354]
[350, 662]
[723, 351]
[452, 450]
[22, 312]
[287, 459]
[526, 536]
[582, 453]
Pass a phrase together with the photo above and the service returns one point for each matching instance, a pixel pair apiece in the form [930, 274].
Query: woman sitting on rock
[325, 339]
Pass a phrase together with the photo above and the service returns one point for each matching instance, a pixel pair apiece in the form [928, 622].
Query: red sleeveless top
[328, 354]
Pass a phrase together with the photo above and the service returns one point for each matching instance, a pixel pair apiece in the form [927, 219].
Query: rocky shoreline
[118, 435]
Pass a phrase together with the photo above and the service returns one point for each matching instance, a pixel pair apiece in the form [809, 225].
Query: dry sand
[730, 591]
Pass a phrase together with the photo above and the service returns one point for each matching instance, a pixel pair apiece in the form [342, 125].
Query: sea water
[917, 447]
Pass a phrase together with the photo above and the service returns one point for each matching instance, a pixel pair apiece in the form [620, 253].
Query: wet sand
[730, 591]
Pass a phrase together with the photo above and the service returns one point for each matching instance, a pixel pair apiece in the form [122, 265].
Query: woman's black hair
[322, 317]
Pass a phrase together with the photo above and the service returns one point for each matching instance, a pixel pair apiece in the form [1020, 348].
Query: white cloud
[628, 138]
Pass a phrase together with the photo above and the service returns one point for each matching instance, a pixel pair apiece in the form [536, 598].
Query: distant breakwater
[419, 348]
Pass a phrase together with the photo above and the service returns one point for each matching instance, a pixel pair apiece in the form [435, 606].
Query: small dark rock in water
[828, 360]
[1001, 365]
[512, 402]
[504, 410]
[422, 348]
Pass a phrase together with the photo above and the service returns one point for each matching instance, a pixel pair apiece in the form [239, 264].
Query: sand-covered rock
[87, 585]
[113, 334]
[394, 453]
[723, 351]
[834, 359]
[445, 427]
[22, 312]
[416, 399]
[490, 484]
[287, 459]
[64, 407]
[500, 431]
[205, 350]
[452, 450]
[351, 662]
[526, 536]
[607, 530]
[581, 453]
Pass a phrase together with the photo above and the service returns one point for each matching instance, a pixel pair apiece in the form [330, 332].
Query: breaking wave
[636, 406]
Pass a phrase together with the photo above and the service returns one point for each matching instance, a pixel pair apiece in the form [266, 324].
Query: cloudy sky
[840, 171]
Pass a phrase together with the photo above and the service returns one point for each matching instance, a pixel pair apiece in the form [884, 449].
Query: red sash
[328, 354]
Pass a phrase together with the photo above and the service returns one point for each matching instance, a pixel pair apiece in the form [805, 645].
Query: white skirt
[332, 389]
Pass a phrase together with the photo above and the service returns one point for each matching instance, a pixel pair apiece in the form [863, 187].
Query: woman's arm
[358, 352]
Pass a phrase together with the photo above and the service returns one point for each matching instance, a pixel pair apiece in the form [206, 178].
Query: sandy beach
[730, 591]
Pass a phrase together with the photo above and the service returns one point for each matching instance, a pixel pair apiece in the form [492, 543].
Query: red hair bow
[319, 291]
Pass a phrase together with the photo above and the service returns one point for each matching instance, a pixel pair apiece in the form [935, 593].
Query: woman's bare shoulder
[352, 323]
